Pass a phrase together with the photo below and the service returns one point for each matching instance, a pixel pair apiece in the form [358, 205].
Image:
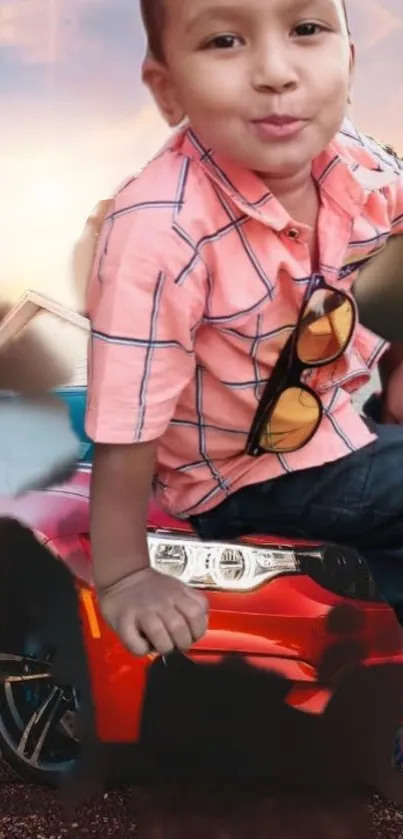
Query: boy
[253, 219]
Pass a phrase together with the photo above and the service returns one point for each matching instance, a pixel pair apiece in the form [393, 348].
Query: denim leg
[357, 501]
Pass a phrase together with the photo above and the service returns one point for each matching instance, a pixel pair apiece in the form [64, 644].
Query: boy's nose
[273, 69]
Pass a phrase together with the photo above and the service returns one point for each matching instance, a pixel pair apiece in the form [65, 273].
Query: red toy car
[270, 601]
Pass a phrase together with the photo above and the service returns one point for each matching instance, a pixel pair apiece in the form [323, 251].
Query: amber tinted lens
[326, 327]
[293, 421]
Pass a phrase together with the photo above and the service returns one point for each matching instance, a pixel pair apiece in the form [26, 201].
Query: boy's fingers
[178, 628]
[136, 641]
[196, 616]
[174, 629]
[156, 614]
[157, 633]
[199, 597]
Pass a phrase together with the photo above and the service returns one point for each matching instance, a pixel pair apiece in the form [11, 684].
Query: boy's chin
[275, 169]
[277, 159]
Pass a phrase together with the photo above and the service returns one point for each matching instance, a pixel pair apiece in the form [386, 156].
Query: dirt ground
[32, 813]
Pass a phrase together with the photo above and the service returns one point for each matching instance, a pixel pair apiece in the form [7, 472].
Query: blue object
[76, 398]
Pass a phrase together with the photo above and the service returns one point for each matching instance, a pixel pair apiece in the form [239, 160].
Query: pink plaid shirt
[197, 282]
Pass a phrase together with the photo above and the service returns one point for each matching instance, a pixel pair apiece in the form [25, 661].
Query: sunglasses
[290, 412]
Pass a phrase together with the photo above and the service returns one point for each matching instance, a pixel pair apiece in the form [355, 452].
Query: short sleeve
[388, 161]
[396, 205]
[143, 315]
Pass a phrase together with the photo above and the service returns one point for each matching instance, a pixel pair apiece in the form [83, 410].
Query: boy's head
[240, 70]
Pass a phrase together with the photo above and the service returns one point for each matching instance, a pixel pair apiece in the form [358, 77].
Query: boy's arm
[379, 287]
[379, 295]
[120, 490]
[141, 358]
[378, 292]
[148, 610]
[391, 375]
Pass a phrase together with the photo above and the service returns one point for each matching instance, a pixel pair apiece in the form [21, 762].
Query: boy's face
[264, 82]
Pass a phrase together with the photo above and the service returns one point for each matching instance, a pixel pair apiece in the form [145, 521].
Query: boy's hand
[393, 400]
[391, 370]
[153, 612]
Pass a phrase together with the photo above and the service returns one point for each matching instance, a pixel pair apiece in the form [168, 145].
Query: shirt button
[293, 233]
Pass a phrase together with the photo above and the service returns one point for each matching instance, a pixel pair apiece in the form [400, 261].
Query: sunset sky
[76, 121]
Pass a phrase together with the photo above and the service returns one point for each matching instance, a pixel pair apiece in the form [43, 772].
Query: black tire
[37, 718]
[38, 620]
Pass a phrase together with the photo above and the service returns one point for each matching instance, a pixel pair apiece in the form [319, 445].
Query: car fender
[57, 517]
[60, 511]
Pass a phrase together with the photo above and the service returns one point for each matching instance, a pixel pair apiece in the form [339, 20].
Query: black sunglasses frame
[288, 370]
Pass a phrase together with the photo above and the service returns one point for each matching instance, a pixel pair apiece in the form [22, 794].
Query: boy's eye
[223, 42]
[308, 30]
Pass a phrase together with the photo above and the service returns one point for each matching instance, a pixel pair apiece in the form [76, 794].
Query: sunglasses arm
[378, 292]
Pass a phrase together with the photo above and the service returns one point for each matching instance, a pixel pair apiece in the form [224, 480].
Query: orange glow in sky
[78, 121]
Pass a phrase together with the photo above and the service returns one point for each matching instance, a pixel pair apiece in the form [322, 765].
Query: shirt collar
[337, 171]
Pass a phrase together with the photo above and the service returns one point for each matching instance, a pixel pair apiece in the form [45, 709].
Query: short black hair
[153, 14]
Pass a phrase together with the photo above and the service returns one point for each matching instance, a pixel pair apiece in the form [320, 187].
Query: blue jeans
[356, 501]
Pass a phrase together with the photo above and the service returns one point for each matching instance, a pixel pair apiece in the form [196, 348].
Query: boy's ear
[352, 66]
[156, 77]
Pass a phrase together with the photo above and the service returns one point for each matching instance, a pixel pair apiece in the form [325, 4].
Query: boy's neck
[298, 194]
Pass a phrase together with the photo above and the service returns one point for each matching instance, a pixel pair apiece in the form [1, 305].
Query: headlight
[231, 567]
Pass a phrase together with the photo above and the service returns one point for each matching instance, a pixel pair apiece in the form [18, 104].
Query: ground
[33, 813]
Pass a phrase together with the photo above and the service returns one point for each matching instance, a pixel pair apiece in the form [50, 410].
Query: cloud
[46, 31]
[78, 50]
[79, 120]
[373, 22]
[58, 179]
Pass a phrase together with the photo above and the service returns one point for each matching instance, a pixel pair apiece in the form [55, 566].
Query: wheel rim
[37, 716]
[398, 750]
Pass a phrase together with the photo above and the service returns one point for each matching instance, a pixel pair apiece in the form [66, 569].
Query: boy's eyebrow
[224, 12]
[214, 12]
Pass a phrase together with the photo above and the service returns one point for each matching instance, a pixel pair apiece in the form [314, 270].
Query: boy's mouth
[278, 126]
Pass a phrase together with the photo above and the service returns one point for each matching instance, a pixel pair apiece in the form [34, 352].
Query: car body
[271, 601]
